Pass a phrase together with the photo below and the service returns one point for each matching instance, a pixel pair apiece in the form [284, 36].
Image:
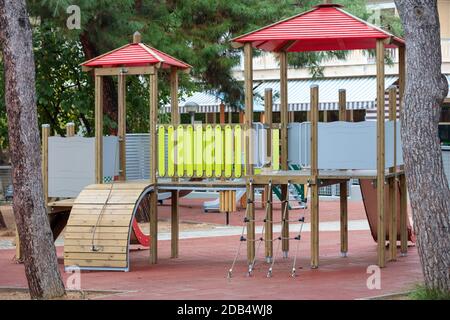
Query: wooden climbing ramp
[103, 223]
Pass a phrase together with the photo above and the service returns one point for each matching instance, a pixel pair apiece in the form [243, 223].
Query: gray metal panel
[342, 145]
[71, 164]
[138, 156]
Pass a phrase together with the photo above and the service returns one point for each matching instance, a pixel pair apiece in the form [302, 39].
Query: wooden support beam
[343, 189]
[222, 114]
[249, 163]
[98, 129]
[268, 190]
[403, 216]
[269, 225]
[153, 198]
[45, 136]
[401, 74]
[342, 105]
[381, 232]
[175, 116]
[137, 71]
[393, 180]
[284, 120]
[122, 126]
[154, 102]
[314, 177]
[70, 129]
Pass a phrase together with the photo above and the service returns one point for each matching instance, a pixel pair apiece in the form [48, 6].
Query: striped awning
[361, 95]
[208, 103]
[361, 92]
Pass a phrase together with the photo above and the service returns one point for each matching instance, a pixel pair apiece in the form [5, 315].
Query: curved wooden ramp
[102, 225]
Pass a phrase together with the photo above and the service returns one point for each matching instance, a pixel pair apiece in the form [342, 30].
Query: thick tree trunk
[110, 105]
[428, 188]
[41, 265]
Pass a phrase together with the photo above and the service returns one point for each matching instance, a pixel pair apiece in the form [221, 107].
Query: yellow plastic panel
[218, 151]
[228, 151]
[180, 151]
[237, 151]
[198, 150]
[170, 151]
[209, 151]
[189, 150]
[161, 151]
[276, 149]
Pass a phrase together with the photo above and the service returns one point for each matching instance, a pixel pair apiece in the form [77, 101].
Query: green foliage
[423, 293]
[63, 92]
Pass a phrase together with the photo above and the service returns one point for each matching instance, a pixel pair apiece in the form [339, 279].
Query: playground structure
[103, 217]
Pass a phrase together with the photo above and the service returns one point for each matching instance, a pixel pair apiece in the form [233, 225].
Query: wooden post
[175, 193]
[342, 105]
[249, 165]
[284, 119]
[98, 129]
[153, 165]
[45, 136]
[402, 178]
[401, 74]
[122, 126]
[222, 114]
[393, 190]
[403, 216]
[268, 121]
[343, 190]
[70, 129]
[314, 177]
[381, 234]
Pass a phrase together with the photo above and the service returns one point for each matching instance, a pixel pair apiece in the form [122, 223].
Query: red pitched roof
[326, 27]
[135, 54]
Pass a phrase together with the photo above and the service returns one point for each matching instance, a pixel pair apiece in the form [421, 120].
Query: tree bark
[110, 105]
[428, 187]
[41, 265]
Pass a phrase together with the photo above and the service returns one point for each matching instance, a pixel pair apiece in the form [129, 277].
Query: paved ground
[201, 270]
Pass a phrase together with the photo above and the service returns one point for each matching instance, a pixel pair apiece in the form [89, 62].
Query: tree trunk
[428, 187]
[110, 104]
[41, 265]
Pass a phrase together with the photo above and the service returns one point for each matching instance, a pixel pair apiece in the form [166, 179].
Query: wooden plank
[45, 135]
[128, 185]
[314, 177]
[381, 232]
[95, 212]
[153, 228]
[251, 224]
[342, 105]
[393, 189]
[344, 217]
[154, 102]
[100, 229]
[175, 225]
[149, 70]
[98, 129]
[285, 219]
[284, 109]
[95, 256]
[269, 225]
[96, 263]
[119, 243]
[403, 216]
[248, 79]
[122, 125]
[99, 248]
[102, 236]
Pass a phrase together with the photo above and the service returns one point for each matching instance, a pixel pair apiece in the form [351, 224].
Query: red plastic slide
[369, 195]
